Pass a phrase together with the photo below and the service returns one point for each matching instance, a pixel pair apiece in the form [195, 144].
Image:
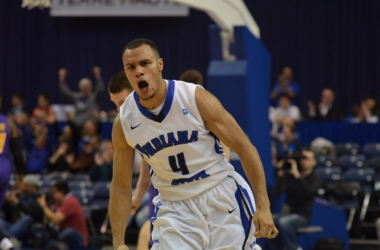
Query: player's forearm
[254, 170]
[142, 186]
[119, 208]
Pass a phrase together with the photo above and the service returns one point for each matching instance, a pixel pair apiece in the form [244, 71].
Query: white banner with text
[117, 8]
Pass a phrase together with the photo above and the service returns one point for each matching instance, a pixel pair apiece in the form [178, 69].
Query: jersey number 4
[178, 163]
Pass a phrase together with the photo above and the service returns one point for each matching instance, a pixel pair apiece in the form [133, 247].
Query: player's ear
[161, 64]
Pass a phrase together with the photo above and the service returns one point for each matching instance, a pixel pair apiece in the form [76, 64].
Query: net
[30, 4]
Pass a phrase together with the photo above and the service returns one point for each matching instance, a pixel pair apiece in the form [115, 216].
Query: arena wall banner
[117, 8]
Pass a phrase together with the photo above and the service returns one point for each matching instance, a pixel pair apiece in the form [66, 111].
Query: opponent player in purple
[8, 141]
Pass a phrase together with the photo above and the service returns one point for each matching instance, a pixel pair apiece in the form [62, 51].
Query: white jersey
[185, 157]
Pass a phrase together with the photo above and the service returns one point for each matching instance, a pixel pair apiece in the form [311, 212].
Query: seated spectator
[68, 215]
[25, 209]
[288, 146]
[285, 86]
[102, 171]
[90, 130]
[297, 179]
[39, 154]
[285, 110]
[85, 160]
[17, 105]
[368, 111]
[43, 112]
[62, 158]
[327, 110]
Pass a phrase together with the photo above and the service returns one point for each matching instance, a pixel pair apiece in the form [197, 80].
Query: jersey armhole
[195, 103]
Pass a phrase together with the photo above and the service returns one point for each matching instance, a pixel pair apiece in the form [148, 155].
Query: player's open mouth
[143, 85]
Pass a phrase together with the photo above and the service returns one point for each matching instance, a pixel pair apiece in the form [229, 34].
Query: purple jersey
[4, 137]
[5, 166]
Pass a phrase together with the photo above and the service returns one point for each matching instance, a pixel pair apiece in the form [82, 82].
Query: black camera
[287, 166]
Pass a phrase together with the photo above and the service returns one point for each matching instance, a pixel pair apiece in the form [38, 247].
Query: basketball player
[203, 203]
[8, 140]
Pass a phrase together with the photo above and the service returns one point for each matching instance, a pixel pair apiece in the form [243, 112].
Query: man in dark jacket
[301, 185]
[327, 110]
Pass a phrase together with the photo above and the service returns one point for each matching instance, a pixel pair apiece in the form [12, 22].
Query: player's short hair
[139, 42]
[62, 187]
[118, 83]
[193, 76]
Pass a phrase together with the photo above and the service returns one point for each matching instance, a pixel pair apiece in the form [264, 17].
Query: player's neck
[158, 97]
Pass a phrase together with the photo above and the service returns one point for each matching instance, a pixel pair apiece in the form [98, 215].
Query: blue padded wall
[243, 88]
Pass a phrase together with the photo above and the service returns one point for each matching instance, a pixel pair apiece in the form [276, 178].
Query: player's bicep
[219, 121]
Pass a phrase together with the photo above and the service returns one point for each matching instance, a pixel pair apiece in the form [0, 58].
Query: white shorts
[219, 218]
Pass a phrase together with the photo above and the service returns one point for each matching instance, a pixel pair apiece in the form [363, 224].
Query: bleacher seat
[348, 148]
[345, 195]
[80, 185]
[374, 162]
[325, 160]
[363, 175]
[84, 196]
[366, 177]
[352, 161]
[101, 195]
[371, 149]
[329, 174]
[82, 177]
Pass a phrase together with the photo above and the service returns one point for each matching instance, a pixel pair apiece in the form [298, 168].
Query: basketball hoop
[30, 4]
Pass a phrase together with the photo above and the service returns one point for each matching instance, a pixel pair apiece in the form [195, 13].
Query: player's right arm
[121, 185]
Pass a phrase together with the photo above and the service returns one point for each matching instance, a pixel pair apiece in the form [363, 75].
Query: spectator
[193, 76]
[68, 136]
[85, 159]
[62, 158]
[102, 171]
[297, 179]
[369, 112]
[43, 112]
[68, 215]
[17, 104]
[25, 208]
[288, 146]
[327, 110]
[90, 130]
[39, 152]
[285, 86]
[285, 110]
[86, 101]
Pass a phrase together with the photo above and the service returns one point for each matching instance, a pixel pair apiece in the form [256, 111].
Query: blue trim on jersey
[169, 98]
[244, 218]
[248, 198]
[167, 104]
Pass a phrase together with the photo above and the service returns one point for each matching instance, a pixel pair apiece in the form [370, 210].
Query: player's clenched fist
[264, 224]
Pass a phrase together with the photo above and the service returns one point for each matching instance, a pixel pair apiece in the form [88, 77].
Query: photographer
[24, 206]
[296, 178]
[68, 215]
